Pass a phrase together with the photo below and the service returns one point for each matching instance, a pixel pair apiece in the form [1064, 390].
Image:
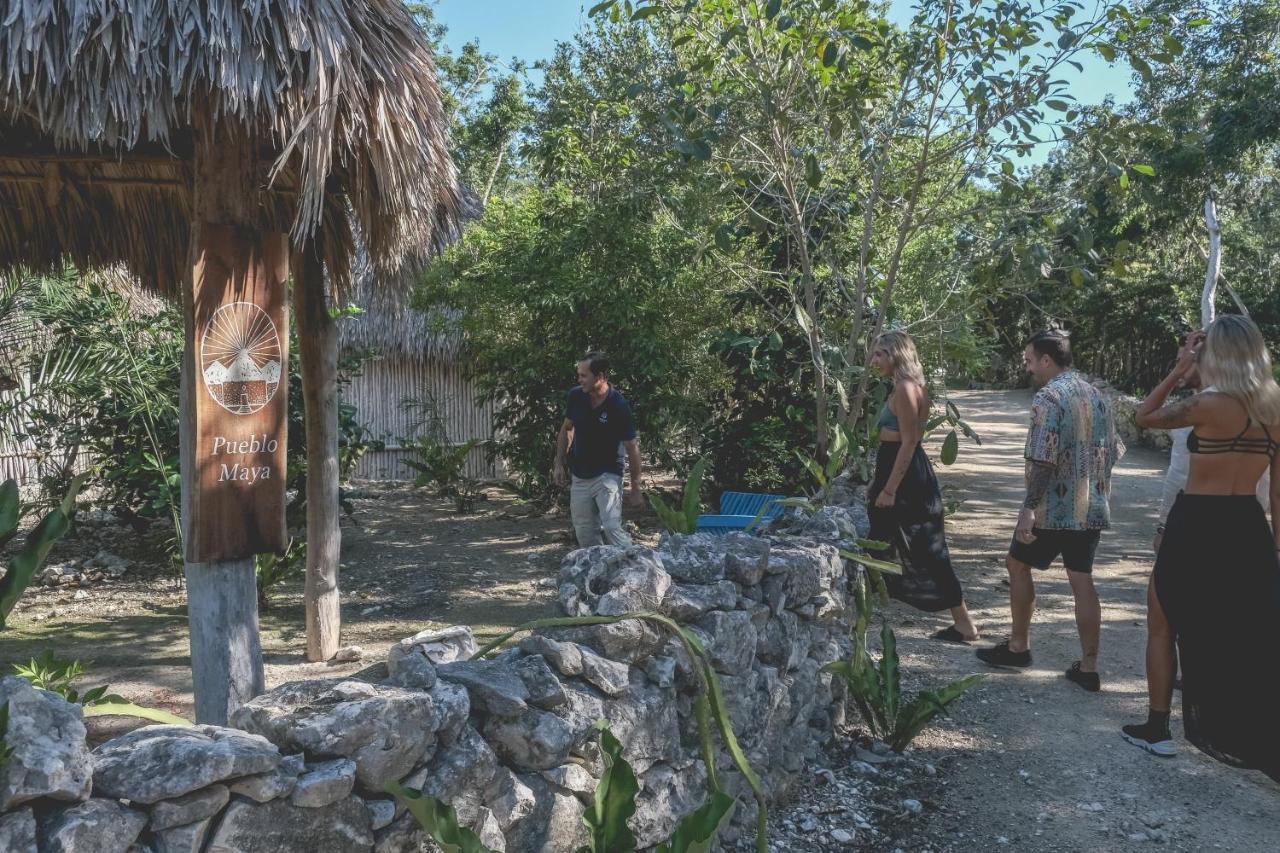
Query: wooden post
[1207, 311]
[318, 348]
[222, 599]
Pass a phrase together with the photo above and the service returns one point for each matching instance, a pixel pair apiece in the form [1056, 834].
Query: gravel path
[1029, 760]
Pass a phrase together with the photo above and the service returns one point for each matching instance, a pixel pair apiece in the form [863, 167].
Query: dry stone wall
[507, 740]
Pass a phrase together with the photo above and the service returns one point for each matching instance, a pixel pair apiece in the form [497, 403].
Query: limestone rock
[689, 601]
[608, 580]
[269, 786]
[487, 830]
[381, 813]
[564, 656]
[324, 783]
[384, 730]
[444, 646]
[666, 796]
[661, 670]
[494, 687]
[610, 677]
[453, 708]
[573, 778]
[730, 640]
[182, 839]
[342, 827]
[510, 799]
[402, 835]
[467, 764]
[545, 690]
[703, 558]
[18, 831]
[94, 826]
[45, 742]
[804, 571]
[629, 641]
[190, 808]
[156, 763]
[536, 740]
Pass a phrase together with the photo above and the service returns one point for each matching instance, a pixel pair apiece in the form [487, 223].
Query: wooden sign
[240, 395]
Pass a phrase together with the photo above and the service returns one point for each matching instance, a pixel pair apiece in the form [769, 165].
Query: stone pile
[508, 740]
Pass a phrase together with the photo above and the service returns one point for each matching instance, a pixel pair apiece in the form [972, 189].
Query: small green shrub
[439, 819]
[48, 672]
[274, 570]
[685, 518]
[876, 688]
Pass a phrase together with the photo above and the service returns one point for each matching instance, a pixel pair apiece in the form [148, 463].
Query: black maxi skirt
[1218, 581]
[913, 527]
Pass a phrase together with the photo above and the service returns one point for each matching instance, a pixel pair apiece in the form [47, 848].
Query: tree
[854, 139]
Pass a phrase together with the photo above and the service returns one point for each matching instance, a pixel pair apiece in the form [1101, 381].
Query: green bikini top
[888, 419]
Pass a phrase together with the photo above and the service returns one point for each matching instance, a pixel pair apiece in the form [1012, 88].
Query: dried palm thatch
[99, 101]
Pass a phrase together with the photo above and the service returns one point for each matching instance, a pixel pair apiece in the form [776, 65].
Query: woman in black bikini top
[1216, 582]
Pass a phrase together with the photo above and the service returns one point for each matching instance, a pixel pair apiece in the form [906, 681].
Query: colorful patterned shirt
[1073, 431]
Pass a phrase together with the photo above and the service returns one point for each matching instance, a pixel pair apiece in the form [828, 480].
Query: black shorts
[1077, 548]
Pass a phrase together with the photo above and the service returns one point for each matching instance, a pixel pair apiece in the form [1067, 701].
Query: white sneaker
[1142, 738]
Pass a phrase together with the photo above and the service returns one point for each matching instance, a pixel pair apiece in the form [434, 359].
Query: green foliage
[951, 444]
[274, 570]
[441, 465]
[876, 688]
[614, 802]
[439, 819]
[685, 518]
[48, 672]
[100, 379]
[24, 564]
[585, 255]
[696, 832]
[5, 749]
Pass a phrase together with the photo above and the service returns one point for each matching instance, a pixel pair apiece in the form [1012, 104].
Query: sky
[529, 30]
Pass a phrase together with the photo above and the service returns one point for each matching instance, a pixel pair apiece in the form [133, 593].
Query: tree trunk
[222, 598]
[318, 349]
[1207, 312]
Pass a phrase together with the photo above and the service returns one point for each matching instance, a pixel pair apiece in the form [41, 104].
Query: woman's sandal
[951, 634]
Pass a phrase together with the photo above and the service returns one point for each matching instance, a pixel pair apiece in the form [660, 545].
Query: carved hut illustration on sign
[240, 357]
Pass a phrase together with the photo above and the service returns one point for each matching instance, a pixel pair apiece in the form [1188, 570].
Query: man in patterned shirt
[1071, 449]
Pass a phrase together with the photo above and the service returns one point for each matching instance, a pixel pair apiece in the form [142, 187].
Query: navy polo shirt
[598, 433]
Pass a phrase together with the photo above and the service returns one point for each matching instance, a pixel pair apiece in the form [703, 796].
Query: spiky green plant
[684, 519]
[27, 561]
[49, 672]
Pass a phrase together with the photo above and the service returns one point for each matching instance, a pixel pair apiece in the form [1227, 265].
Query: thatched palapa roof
[100, 100]
[389, 323]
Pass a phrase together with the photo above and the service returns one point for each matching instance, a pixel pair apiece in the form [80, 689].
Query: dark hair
[1053, 343]
[597, 362]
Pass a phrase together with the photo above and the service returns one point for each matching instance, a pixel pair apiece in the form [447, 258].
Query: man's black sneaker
[1088, 680]
[1154, 740]
[1000, 655]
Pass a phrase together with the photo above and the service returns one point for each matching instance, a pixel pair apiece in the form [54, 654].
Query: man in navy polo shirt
[598, 425]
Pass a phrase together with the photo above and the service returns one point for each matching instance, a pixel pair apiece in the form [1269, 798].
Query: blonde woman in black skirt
[905, 501]
[1216, 581]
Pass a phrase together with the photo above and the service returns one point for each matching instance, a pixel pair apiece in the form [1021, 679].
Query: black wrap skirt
[1218, 582]
[913, 527]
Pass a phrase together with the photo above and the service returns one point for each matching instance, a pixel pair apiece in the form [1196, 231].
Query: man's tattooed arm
[1038, 479]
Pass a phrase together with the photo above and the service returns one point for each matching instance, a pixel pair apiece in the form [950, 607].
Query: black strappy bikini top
[1209, 446]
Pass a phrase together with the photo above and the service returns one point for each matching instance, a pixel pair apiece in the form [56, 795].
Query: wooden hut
[414, 374]
[216, 147]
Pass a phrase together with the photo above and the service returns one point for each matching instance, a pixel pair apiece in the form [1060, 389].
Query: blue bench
[737, 510]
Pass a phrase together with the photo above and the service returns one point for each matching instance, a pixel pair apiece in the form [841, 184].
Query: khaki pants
[596, 507]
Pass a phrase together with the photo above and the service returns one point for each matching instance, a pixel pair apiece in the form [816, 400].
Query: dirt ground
[409, 562]
[1029, 761]
[1026, 762]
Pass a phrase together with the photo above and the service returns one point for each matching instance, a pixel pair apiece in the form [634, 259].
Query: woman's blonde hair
[901, 350]
[1236, 362]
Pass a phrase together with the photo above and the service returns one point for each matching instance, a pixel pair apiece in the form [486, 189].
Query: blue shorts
[1076, 547]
